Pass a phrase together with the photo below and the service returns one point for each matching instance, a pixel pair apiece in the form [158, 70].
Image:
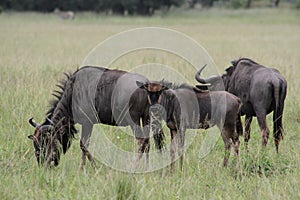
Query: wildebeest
[92, 95]
[261, 90]
[188, 107]
[64, 14]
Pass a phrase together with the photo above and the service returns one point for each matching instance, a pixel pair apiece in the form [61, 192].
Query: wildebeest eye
[31, 137]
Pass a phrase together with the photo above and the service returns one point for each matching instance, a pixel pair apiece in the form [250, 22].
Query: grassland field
[35, 49]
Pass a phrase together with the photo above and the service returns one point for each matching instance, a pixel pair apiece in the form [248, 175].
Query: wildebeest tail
[279, 92]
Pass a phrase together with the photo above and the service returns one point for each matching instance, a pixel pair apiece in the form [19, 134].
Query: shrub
[297, 4]
[238, 3]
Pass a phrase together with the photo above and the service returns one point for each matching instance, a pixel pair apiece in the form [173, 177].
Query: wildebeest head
[45, 143]
[154, 90]
[216, 82]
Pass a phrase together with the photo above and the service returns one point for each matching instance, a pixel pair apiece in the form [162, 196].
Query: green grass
[36, 48]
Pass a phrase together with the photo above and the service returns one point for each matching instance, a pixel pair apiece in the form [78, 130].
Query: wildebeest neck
[60, 113]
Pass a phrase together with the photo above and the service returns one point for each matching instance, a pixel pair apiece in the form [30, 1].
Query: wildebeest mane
[175, 86]
[249, 61]
[63, 102]
[58, 95]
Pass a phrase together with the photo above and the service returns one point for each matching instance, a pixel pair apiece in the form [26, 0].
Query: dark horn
[33, 123]
[50, 121]
[197, 76]
[46, 128]
[207, 80]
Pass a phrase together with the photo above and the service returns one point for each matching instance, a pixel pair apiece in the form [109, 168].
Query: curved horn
[197, 76]
[50, 121]
[34, 124]
[205, 81]
[46, 128]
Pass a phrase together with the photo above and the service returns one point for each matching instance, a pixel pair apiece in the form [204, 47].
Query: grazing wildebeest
[188, 107]
[64, 14]
[92, 95]
[261, 90]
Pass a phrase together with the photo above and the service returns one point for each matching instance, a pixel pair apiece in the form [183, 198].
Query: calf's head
[154, 90]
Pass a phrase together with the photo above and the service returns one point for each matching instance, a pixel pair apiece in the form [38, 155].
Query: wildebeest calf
[189, 107]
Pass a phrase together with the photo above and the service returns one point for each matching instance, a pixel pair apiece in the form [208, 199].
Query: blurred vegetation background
[136, 7]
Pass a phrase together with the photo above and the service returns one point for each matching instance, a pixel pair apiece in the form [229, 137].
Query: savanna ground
[36, 48]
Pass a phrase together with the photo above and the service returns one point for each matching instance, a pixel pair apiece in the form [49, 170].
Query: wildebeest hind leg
[261, 118]
[227, 135]
[248, 121]
[181, 137]
[239, 125]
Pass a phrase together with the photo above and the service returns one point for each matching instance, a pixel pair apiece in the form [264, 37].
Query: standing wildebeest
[261, 90]
[64, 14]
[92, 95]
[188, 107]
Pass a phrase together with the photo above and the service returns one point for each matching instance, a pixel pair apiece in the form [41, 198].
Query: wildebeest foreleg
[144, 146]
[173, 147]
[146, 130]
[143, 143]
[84, 143]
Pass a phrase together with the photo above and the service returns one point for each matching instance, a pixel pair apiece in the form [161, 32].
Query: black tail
[279, 89]
[239, 125]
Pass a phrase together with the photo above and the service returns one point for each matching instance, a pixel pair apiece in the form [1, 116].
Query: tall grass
[36, 48]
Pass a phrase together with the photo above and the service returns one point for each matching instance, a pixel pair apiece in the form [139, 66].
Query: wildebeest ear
[30, 137]
[229, 70]
[234, 62]
[167, 86]
[141, 84]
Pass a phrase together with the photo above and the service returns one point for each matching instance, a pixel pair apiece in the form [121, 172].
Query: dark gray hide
[261, 90]
[189, 108]
[97, 95]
